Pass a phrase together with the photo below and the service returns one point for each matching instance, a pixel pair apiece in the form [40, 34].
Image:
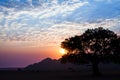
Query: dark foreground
[57, 75]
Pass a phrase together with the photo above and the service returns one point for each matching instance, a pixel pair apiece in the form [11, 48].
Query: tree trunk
[95, 62]
[95, 69]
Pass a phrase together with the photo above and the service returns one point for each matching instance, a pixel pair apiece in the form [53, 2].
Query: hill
[49, 64]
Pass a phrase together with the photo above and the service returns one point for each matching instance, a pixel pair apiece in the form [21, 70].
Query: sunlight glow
[62, 51]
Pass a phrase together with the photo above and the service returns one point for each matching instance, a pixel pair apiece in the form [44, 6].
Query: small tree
[93, 46]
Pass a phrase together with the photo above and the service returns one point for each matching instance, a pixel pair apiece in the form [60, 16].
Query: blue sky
[55, 18]
[45, 23]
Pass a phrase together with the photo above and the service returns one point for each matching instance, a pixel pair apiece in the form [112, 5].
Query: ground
[58, 75]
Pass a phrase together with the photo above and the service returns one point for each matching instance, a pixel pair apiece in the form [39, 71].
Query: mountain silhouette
[49, 64]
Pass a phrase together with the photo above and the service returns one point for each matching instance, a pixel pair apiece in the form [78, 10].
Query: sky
[31, 30]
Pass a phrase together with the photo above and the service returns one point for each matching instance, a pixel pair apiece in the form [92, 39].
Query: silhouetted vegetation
[93, 46]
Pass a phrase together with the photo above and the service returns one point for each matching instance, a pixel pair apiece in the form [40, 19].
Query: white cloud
[49, 25]
[53, 35]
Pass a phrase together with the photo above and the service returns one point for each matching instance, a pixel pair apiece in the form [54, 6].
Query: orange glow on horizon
[52, 51]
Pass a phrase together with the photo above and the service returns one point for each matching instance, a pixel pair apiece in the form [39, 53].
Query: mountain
[49, 64]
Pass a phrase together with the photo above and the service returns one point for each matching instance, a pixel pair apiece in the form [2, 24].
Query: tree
[93, 46]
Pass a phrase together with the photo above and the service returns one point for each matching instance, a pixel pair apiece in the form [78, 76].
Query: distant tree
[93, 46]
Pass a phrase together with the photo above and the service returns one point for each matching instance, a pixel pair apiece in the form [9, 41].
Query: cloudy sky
[31, 30]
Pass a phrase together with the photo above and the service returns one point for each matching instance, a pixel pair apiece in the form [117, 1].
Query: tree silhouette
[93, 46]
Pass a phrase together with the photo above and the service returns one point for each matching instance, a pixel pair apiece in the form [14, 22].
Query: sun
[62, 51]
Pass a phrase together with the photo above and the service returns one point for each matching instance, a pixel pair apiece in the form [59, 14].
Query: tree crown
[97, 42]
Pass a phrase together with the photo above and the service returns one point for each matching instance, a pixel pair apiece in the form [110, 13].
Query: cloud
[53, 35]
[50, 23]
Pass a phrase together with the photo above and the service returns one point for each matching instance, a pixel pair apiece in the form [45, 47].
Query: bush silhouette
[93, 46]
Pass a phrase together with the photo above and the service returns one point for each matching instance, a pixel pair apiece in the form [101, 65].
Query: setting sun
[62, 51]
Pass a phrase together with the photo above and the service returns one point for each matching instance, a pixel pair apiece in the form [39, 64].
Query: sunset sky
[31, 30]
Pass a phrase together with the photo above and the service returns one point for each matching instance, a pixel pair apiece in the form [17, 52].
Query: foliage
[94, 46]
